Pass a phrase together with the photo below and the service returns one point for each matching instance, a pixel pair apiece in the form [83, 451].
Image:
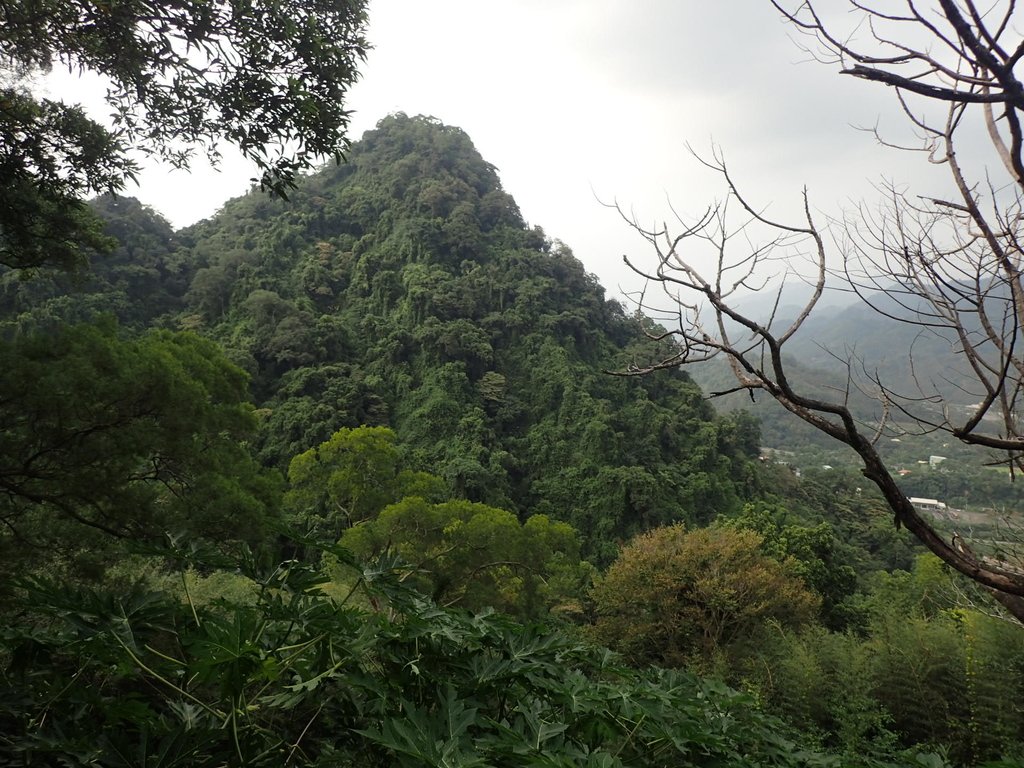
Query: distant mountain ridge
[907, 354]
[843, 348]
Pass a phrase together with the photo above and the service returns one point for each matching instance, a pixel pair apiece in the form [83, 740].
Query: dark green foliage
[142, 679]
[268, 77]
[816, 556]
[50, 155]
[138, 280]
[822, 683]
[404, 290]
[129, 439]
[865, 536]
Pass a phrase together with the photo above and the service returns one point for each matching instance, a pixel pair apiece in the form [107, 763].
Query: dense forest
[355, 478]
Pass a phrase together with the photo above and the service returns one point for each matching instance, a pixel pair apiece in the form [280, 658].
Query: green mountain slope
[404, 289]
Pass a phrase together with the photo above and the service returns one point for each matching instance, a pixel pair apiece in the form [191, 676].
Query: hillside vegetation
[350, 479]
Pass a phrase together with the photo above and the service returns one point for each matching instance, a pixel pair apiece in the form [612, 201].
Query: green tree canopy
[127, 438]
[352, 477]
[675, 596]
[140, 280]
[476, 556]
[813, 551]
[268, 77]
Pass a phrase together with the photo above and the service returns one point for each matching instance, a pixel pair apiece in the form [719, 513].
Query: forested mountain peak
[403, 289]
[430, 168]
[406, 168]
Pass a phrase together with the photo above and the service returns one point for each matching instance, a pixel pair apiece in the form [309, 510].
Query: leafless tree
[950, 264]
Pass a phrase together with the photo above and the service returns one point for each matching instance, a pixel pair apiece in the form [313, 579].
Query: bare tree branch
[952, 267]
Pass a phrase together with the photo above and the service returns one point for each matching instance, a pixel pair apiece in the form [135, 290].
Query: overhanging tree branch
[952, 267]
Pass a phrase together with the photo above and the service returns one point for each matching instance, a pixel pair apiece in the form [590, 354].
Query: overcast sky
[577, 101]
